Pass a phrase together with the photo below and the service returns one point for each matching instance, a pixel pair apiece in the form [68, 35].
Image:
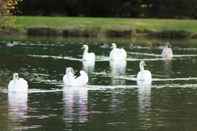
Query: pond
[112, 101]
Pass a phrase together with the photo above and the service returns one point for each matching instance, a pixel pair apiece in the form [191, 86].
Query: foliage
[112, 8]
[7, 8]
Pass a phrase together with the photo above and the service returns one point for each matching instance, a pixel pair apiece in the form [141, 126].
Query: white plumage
[117, 54]
[144, 77]
[70, 79]
[88, 57]
[167, 52]
[18, 84]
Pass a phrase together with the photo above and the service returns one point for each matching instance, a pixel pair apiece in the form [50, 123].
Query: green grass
[23, 22]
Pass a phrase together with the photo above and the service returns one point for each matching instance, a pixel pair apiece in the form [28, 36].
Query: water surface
[112, 101]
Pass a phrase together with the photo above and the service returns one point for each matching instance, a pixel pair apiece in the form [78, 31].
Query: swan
[117, 54]
[144, 77]
[167, 52]
[82, 79]
[88, 57]
[88, 67]
[70, 79]
[18, 84]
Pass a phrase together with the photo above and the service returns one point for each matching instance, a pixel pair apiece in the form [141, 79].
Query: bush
[42, 31]
[120, 33]
[79, 33]
[172, 34]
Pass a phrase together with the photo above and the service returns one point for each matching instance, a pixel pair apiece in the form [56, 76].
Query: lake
[112, 101]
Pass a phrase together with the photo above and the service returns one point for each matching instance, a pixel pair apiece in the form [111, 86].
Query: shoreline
[88, 33]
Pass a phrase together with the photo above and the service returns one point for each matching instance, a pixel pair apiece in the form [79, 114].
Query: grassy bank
[109, 25]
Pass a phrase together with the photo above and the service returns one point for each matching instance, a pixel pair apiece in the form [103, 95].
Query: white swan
[167, 52]
[144, 77]
[88, 57]
[117, 54]
[18, 84]
[88, 67]
[70, 79]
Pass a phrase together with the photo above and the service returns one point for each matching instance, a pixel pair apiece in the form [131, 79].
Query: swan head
[167, 45]
[15, 76]
[114, 45]
[85, 47]
[142, 64]
[69, 71]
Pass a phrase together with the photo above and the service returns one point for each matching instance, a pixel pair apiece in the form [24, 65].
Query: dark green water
[111, 102]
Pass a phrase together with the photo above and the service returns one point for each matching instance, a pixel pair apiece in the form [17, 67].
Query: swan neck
[86, 50]
[114, 47]
[15, 77]
[141, 67]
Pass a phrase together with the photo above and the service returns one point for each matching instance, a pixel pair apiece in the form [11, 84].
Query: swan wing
[89, 57]
[82, 80]
[123, 53]
[11, 85]
[144, 77]
[20, 85]
[68, 79]
[167, 53]
[111, 55]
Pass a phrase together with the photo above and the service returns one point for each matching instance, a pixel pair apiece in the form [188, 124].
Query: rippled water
[111, 102]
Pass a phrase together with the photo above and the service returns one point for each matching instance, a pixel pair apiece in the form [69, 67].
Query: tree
[7, 8]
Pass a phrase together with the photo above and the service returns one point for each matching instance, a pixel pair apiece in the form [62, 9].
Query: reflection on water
[144, 105]
[75, 104]
[144, 98]
[17, 107]
[118, 69]
[113, 103]
[168, 68]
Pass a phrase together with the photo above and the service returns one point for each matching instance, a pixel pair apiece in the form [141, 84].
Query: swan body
[88, 67]
[82, 80]
[70, 79]
[144, 77]
[167, 52]
[117, 54]
[18, 84]
[88, 57]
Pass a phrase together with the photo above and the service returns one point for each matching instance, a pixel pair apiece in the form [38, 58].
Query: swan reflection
[167, 68]
[118, 69]
[17, 106]
[144, 98]
[75, 104]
